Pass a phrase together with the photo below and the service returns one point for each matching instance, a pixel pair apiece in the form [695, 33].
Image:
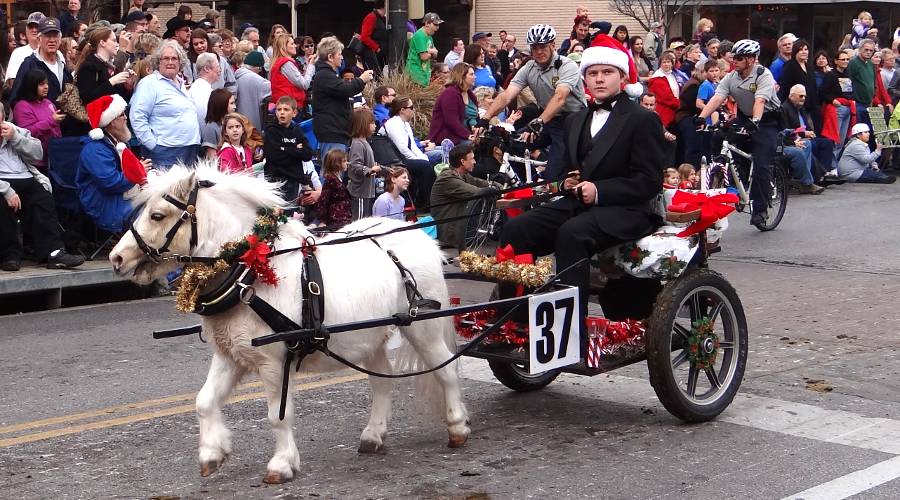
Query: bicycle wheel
[777, 200]
[481, 223]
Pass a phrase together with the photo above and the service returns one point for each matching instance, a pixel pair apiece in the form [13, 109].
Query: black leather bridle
[188, 214]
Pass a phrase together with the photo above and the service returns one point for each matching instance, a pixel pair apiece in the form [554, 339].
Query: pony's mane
[245, 187]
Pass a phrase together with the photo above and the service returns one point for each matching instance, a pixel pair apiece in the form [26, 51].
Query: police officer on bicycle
[556, 83]
[752, 87]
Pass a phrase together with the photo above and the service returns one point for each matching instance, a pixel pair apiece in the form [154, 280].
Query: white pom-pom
[120, 146]
[634, 89]
[95, 134]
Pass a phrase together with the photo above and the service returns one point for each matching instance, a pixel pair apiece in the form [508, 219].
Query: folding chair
[64, 153]
[889, 138]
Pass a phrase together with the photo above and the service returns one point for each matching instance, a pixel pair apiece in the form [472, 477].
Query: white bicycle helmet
[540, 33]
[745, 47]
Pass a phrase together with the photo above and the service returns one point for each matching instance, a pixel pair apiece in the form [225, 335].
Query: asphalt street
[92, 407]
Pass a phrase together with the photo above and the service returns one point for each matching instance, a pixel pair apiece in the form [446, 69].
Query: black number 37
[546, 317]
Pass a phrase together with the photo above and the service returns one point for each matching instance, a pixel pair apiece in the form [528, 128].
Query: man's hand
[367, 76]
[569, 183]
[433, 51]
[700, 123]
[7, 131]
[669, 136]
[15, 203]
[375, 169]
[588, 192]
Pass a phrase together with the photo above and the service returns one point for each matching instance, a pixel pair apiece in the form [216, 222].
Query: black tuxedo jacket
[625, 162]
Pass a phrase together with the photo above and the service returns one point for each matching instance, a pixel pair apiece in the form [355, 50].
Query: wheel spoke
[682, 332]
[680, 359]
[713, 377]
[693, 374]
[714, 314]
[723, 344]
[696, 313]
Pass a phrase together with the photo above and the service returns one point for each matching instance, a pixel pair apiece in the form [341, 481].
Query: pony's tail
[429, 392]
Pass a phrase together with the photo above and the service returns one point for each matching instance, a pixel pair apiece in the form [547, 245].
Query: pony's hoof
[207, 468]
[273, 477]
[370, 447]
[457, 440]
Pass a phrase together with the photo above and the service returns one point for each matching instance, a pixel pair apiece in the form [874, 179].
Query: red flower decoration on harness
[257, 259]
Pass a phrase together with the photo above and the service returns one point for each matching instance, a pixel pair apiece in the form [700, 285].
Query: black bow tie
[595, 105]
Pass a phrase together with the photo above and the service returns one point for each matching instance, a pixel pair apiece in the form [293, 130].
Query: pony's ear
[182, 188]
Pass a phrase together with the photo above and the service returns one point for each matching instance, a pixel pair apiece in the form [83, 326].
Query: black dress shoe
[758, 218]
[11, 265]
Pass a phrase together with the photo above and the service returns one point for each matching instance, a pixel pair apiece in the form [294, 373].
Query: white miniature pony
[360, 282]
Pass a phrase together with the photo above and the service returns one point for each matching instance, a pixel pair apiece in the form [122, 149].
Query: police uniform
[759, 84]
[543, 82]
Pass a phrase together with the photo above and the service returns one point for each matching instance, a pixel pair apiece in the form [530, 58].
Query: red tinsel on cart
[613, 338]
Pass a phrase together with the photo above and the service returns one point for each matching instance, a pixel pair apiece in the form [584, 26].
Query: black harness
[188, 213]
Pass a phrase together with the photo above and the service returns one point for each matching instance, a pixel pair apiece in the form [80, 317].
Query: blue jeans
[325, 147]
[800, 160]
[843, 117]
[164, 157]
[435, 156]
[874, 176]
[691, 140]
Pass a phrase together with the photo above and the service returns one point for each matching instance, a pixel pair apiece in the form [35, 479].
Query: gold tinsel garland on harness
[252, 250]
[529, 275]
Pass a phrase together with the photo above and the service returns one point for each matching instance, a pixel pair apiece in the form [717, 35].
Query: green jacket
[449, 187]
[863, 76]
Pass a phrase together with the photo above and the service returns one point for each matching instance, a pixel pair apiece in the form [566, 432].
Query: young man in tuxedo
[614, 156]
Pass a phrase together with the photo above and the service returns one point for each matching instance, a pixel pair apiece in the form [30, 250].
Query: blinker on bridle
[188, 213]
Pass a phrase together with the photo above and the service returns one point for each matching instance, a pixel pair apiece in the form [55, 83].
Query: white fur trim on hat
[115, 108]
[604, 55]
[634, 89]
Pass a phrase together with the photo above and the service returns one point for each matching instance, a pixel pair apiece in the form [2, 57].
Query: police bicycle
[732, 168]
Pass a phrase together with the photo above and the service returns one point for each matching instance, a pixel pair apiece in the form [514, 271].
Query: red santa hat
[132, 168]
[605, 49]
[102, 111]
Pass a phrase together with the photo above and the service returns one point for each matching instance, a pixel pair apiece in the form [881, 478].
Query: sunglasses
[409, 107]
[308, 46]
[843, 59]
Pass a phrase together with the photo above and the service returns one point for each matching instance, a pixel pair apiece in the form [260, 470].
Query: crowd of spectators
[143, 95]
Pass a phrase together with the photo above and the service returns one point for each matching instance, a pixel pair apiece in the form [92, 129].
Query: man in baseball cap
[48, 59]
[422, 51]
[31, 35]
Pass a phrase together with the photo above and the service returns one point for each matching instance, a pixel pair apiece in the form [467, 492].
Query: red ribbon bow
[508, 253]
[257, 259]
[519, 194]
[712, 208]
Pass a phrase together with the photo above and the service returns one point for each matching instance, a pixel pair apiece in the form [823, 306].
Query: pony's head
[224, 210]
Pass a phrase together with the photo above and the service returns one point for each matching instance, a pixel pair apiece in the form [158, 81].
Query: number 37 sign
[554, 330]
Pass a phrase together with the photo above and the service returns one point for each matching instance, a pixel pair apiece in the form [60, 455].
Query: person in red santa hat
[614, 153]
[109, 175]
[625, 62]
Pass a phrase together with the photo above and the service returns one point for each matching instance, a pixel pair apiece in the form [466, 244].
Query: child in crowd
[486, 96]
[689, 177]
[37, 114]
[363, 168]
[286, 148]
[390, 204]
[671, 178]
[334, 205]
[234, 154]
[861, 27]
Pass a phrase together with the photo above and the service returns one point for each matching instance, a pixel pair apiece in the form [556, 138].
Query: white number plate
[554, 330]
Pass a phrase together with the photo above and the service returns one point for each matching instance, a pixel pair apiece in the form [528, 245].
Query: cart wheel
[698, 326]
[778, 201]
[517, 378]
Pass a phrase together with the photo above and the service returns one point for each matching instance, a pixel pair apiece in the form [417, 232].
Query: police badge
[554, 81]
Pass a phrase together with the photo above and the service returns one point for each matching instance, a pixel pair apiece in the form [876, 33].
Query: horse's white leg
[427, 338]
[286, 460]
[372, 438]
[215, 438]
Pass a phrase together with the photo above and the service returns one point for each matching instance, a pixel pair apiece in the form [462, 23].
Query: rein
[188, 213]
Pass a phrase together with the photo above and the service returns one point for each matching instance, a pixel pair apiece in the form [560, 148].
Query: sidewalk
[34, 278]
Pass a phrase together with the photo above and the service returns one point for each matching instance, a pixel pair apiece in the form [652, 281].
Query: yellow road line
[165, 412]
[117, 409]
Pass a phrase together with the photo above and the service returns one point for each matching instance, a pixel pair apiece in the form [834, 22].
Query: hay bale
[423, 98]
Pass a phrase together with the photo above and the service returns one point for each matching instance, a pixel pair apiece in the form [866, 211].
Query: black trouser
[422, 179]
[545, 230]
[38, 216]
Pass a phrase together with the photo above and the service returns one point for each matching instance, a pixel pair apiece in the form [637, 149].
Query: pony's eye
[157, 216]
